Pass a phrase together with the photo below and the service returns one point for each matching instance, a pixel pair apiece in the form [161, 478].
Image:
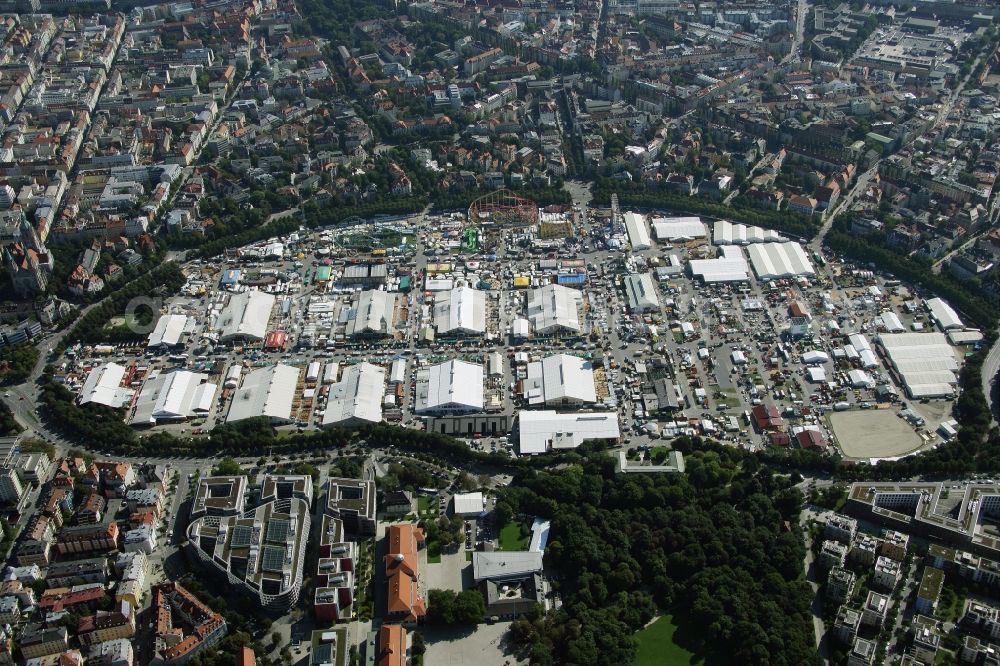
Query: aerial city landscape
[368, 332]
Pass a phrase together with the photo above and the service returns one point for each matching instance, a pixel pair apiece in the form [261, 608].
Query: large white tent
[266, 392]
[780, 260]
[452, 386]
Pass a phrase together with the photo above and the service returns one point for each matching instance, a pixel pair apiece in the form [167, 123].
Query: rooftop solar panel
[241, 536]
[274, 559]
[277, 531]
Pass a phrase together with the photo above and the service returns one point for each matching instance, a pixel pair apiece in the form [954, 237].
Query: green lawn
[433, 552]
[657, 647]
[426, 506]
[514, 536]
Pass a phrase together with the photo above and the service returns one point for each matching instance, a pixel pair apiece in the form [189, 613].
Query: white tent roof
[103, 386]
[816, 374]
[860, 379]
[172, 395]
[462, 309]
[246, 316]
[678, 228]
[540, 431]
[520, 328]
[467, 504]
[450, 386]
[560, 378]
[943, 314]
[729, 266]
[168, 330]
[640, 292]
[727, 233]
[357, 396]
[374, 312]
[778, 260]
[925, 362]
[554, 307]
[266, 392]
[638, 235]
[892, 322]
[815, 356]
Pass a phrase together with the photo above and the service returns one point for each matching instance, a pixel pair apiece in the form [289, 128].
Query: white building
[678, 228]
[780, 260]
[729, 266]
[452, 386]
[460, 311]
[357, 397]
[943, 314]
[168, 331]
[266, 392]
[245, 316]
[142, 539]
[891, 322]
[727, 233]
[638, 234]
[560, 380]
[925, 362]
[174, 396]
[373, 313]
[640, 292]
[103, 386]
[541, 431]
[469, 504]
[554, 308]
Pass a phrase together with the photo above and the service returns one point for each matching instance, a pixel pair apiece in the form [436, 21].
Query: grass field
[513, 537]
[657, 647]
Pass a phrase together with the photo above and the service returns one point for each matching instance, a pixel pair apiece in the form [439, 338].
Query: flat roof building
[372, 314]
[174, 396]
[261, 551]
[541, 431]
[461, 311]
[640, 292]
[352, 501]
[245, 317]
[452, 386]
[503, 565]
[266, 392]
[929, 509]
[468, 504]
[554, 308]
[357, 397]
[560, 380]
[219, 496]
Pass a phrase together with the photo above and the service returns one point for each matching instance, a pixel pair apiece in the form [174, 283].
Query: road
[991, 366]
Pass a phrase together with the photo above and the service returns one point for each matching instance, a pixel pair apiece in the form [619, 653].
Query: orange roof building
[404, 603]
[391, 645]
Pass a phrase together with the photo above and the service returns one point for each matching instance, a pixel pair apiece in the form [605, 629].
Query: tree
[227, 467]
[502, 514]
[418, 646]
[445, 607]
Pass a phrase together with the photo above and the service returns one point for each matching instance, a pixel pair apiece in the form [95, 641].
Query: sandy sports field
[873, 433]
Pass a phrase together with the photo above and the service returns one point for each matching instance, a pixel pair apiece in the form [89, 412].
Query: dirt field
[876, 433]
